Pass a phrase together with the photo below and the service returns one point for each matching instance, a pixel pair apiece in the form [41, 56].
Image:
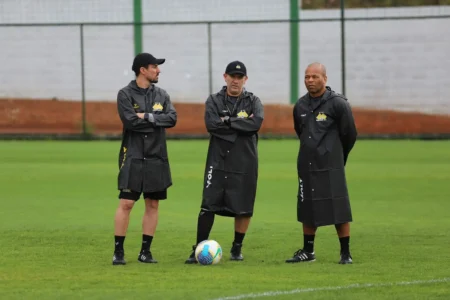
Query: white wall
[214, 10]
[65, 11]
[390, 64]
[402, 65]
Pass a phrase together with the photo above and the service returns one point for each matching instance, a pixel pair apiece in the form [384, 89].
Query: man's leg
[150, 218]
[205, 223]
[309, 234]
[241, 224]
[343, 232]
[149, 224]
[121, 221]
[122, 217]
[240, 227]
[307, 253]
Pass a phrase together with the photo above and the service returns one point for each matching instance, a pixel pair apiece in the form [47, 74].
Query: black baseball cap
[145, 59]
[236, 67]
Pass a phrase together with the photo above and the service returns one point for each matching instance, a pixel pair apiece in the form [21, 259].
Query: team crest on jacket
[135, 106]
[242, 114]
[321, 117]
[157, 107]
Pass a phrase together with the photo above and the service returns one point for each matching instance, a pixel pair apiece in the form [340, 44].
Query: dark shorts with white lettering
[132, 195]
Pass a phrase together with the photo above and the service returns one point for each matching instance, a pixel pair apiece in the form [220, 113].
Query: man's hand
[226, 120]
[140, 115]
[251, 116]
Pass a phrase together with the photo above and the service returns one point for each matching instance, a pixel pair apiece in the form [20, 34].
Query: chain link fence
[62, 65]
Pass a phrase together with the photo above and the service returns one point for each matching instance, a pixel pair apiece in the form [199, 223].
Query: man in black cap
[145, 111]
[233, 117]
[324, 123]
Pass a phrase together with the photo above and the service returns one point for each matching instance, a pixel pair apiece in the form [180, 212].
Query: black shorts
[132, 195]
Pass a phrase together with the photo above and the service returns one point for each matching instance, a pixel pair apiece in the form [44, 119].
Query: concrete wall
[399, 64]
[390, 64]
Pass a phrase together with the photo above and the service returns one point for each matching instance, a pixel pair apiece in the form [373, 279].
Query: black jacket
[231, 170]
[143, 159]
[327, 133]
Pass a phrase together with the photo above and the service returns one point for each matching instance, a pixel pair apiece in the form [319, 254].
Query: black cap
[236, 67]
[145, 59]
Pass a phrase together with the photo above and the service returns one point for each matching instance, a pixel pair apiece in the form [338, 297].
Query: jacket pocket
[156, 175]
[135, 175]
[130, 174]
[320, 184]
[163, 153]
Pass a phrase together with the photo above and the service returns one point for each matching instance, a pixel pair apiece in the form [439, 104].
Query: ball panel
[208, 252]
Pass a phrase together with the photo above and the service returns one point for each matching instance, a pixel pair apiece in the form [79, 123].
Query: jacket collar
[133, 85]
[245, 93]
[314, 104]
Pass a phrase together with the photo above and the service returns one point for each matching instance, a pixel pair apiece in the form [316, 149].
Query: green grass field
[58, 201]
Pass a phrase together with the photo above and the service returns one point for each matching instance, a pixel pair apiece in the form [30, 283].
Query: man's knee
[151, 205]
[341, 225]
[343, 229]
[126, 205]
[309, 229]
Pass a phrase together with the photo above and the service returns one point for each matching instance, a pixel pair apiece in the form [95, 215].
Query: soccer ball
[208, 252]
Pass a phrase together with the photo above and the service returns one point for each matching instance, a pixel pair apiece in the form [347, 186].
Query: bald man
[324, 124]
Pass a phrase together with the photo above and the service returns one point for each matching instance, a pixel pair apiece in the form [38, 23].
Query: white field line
[332, 288]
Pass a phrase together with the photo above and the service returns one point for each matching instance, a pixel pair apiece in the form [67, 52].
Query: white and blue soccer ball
[208, 252]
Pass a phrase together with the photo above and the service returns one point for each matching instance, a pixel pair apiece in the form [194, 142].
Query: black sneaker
[191, 260]
[146, 257]
[236, 253]
[346, 259]
[118, 258]
[301, 256]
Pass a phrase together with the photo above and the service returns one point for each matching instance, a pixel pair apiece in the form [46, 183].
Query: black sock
[118, 242]
[238, 237]
[146, 242]
[204, 225]
[345, 244]
[308, 243]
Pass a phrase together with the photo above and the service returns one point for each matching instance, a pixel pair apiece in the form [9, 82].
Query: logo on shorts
[321, 117]
[126, 191]
[209, 177]
[157, 107]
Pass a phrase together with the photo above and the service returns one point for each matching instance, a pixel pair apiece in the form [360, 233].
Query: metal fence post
[343, 46]
[83, 90]
[137, 8]
[294, 24]
[210, 83]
